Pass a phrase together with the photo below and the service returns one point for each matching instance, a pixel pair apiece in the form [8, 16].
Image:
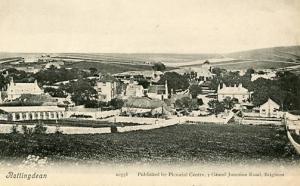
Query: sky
[147, 26]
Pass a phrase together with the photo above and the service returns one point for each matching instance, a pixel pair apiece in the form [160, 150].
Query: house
[14, 113]
[270, 109]
[158, 91]
[238, 92]
[106, 88]
[134, 90]
[15, 90]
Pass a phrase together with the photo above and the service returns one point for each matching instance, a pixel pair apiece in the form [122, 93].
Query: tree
[81, 91]
[93, 70]
[217, 71]
[159, 66]
[3, 81]
[175, 81]
[186, 103]
[55, 92]
[228, 103]
[250, 71]
[195, 90]
[216, 107]
[144, 83]
[117, 103]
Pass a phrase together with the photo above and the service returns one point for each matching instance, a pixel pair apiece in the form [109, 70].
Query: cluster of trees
[53, 75]
[175, 81]
[216, 107]
[81, 91]
[284, 89]
[115, 103]
[186, 103]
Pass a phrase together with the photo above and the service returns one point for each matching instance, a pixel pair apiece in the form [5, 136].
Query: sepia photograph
[149, 92]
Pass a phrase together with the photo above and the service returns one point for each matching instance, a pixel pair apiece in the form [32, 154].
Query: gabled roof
[271, 102]
[25, 87]
[32, 109]
[233, 90]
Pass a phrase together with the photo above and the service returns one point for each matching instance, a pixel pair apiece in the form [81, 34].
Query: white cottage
[15, 90]
[270, 109]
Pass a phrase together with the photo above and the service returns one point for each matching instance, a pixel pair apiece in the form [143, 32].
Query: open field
[107, 67]
[254, 64]
[208, 143]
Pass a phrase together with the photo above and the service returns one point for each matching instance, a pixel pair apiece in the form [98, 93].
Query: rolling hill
[288, 53]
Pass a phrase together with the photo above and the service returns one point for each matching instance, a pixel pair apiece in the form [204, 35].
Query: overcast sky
[145, 26]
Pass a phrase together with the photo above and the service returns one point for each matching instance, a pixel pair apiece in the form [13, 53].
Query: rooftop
[32, 109]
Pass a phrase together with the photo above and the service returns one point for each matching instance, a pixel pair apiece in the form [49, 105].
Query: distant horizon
[11, 52]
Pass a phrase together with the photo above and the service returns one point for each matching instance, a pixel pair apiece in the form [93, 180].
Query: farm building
[14, 113]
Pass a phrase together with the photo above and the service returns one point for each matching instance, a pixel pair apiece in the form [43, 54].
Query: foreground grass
[182, 143]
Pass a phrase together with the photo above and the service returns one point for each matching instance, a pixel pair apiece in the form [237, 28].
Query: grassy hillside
[180, 143]
[240, 65]
[289, 53]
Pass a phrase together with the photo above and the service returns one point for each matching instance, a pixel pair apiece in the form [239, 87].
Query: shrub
[14, 129]
[57, 130]
[26, 130]
[113, 129]
[39, 129]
